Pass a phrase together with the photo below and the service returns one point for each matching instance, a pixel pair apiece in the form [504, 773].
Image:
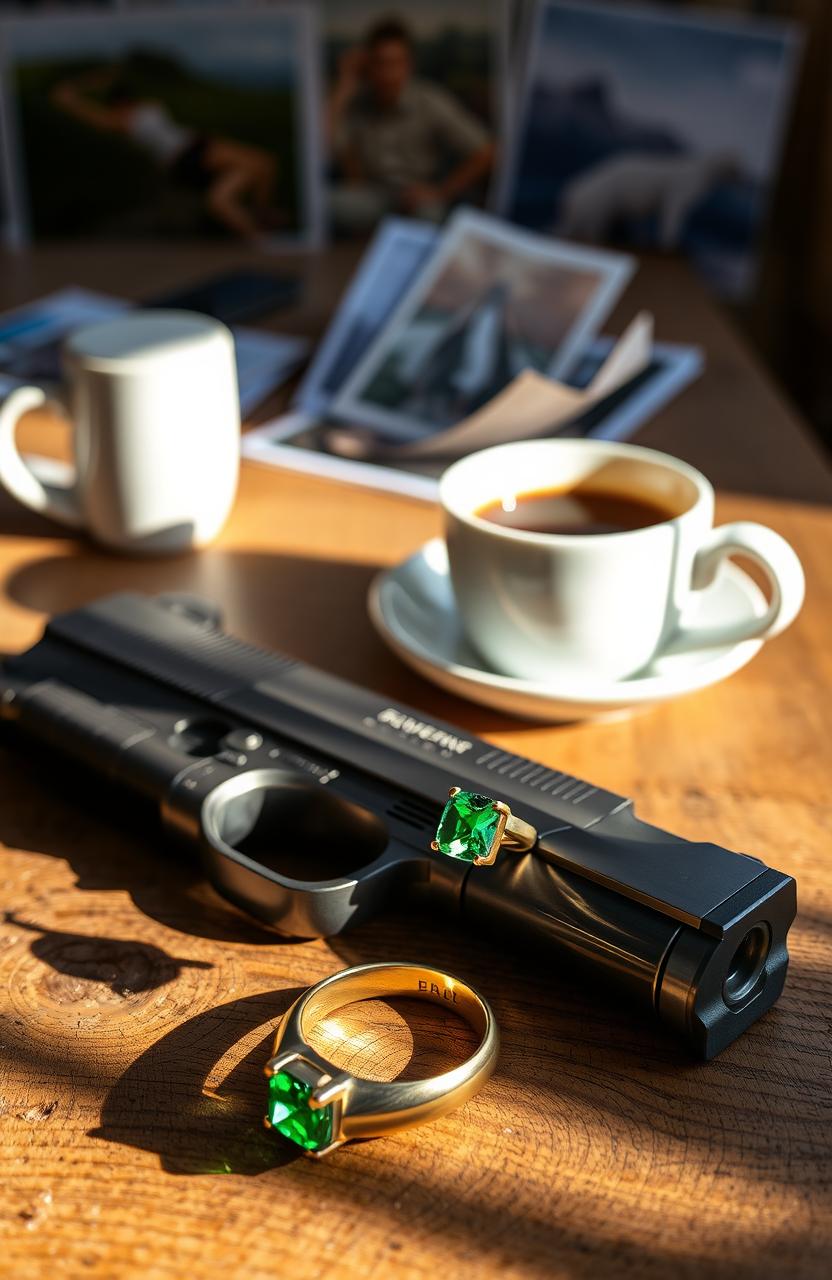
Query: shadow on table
[582, 1041]
[110, 842]
[127, 967]
[309, 608]
[161, 1103]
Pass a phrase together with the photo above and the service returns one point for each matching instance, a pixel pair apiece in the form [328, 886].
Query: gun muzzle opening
[747, 966]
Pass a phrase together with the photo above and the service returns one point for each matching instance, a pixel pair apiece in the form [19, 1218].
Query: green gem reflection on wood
[290, 1114]
[467, 827]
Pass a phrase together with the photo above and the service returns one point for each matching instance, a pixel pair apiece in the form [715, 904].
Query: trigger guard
[250, 823]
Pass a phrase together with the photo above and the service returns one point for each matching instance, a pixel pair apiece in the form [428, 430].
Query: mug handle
[781, 566]
[58, 501]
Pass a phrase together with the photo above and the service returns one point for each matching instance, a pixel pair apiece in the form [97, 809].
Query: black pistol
[312, 803]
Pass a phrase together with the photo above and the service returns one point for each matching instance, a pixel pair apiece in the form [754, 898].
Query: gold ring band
[318, 1106]
[473, 828]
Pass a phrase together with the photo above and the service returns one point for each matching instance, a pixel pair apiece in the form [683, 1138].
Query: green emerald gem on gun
[290, 1114]
[468, 826]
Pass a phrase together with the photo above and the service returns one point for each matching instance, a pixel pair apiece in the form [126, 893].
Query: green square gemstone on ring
[290, 1114]
[468, 826]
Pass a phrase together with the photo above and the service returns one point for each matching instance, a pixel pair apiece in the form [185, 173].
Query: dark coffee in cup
[538, 605]
[582, 509]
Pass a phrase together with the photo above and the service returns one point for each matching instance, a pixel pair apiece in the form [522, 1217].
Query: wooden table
[734, 424]
[137, 1010]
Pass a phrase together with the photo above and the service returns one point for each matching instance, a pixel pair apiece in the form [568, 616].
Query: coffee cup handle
[58, 501]
[781, 566]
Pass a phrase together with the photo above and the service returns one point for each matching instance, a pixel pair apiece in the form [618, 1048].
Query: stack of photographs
[434, 326]
[488, 302]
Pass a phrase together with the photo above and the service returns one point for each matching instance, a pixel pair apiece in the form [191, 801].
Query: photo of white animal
[640, 185]
[640, 126]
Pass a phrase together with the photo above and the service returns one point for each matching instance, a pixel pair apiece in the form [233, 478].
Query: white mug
[152, 399]
[600, 605]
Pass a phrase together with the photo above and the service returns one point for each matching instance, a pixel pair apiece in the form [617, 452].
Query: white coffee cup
[152, 399]
[597, 605]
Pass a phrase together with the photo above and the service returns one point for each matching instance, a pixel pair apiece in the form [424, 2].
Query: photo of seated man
[399, 143]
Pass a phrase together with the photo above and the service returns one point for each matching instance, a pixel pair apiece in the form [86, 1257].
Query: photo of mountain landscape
[652, 130]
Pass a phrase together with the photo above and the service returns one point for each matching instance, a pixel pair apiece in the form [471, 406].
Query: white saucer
[412, 607]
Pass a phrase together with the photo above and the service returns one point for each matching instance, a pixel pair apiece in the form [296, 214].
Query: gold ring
[473, 828]
[317, 1106]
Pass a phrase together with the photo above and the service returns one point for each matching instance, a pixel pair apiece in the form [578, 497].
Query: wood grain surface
[137, 1009]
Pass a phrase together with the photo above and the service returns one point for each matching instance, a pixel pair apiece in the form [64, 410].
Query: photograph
[298, 441]
[175, 123]
[652, 129]
[399, 249]
[491, 302]
[413, 106]
[32, 339]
